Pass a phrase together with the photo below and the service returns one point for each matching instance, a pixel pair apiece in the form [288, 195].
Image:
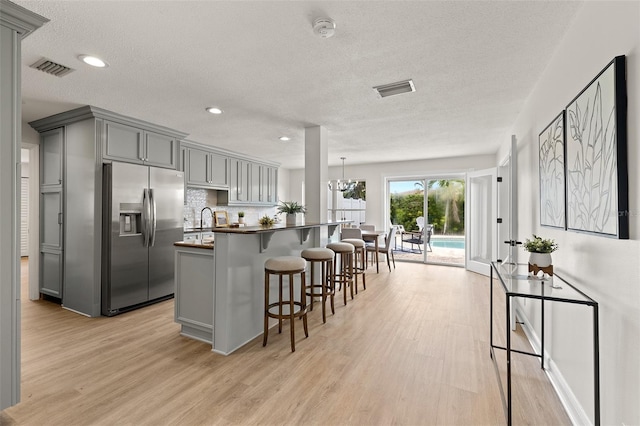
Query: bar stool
[281, 266]
[359, 260]
[325, 288]
[344, 275]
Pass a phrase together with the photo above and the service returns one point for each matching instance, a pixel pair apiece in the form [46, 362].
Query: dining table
[369, 235]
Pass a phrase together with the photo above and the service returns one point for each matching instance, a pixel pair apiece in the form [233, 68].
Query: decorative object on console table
[551, 167]
[240, 217]
[596, 140]
[266, 222]
[540, 250]
[291, 208]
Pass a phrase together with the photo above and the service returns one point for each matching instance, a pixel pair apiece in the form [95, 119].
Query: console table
[516, 282]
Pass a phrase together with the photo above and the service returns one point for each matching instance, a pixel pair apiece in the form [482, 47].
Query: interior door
[482, 236]
[507, 207]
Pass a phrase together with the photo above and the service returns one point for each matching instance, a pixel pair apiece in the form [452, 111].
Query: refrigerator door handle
[153, 223]
[146, 211]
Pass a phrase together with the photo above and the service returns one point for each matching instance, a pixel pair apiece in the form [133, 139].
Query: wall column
[15, 23]
[316, 173]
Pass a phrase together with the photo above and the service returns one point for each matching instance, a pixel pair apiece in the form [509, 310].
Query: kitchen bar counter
[276, 227]
[224, 297]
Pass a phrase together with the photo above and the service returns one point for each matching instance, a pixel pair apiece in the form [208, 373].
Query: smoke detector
[324, 27]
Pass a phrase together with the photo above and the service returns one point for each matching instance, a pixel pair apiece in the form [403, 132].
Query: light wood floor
[411, 350]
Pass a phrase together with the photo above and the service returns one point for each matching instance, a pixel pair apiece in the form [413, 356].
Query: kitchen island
[220, 289]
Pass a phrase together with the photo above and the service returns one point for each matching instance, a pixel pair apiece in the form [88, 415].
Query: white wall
[375, 174]
[606, 269]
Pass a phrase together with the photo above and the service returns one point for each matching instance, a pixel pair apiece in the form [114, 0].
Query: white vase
[241, 220]
[542, 260]
[291, 218]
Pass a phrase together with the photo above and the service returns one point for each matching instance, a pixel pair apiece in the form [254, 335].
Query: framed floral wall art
[596, 155]
[552, 168]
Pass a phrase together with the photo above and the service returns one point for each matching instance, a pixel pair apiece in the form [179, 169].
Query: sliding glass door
[437, 236]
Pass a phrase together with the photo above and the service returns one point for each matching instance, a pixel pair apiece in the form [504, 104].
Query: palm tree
[450, 191]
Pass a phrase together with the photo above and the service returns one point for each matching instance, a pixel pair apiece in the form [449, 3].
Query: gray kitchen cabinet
[269, 185]
[263, 184]
[207, 169]
[51, 241]
[251, 184]
[133, 145]
[160, 150]
[239, 182]
[182, 166]
[74, 146]
[255, 183]
[194, 294]
[52, 143]
[51, 212]
[51, 273]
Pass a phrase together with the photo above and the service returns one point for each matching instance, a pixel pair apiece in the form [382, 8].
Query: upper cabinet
[269, 185]
[239, 181]
[131, 144]
[206, 169]
[263, 183]
[52, 144]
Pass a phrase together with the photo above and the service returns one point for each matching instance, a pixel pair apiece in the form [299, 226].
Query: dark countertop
[276, 227]
[194, 244]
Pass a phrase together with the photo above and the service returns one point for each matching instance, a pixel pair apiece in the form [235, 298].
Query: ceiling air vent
[51, 67]
[395, 88]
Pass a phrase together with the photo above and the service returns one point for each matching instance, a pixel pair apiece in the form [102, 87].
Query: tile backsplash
[198, 198]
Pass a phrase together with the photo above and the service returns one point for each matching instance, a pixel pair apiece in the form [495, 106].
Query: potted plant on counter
[266, 222]
[240, 217]
[291, 209]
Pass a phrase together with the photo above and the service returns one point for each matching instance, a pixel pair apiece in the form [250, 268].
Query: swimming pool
[454, 243]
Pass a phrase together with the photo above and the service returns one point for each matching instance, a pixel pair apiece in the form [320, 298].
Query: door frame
[425, 178]
[34, 221]
[508, 211]
[472, 264]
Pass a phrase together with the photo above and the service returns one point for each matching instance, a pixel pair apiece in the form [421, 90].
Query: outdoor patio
[439, 254]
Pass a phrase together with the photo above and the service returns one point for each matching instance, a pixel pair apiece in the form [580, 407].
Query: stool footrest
[302, 310]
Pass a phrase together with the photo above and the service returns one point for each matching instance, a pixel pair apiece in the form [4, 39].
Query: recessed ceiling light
[93, 61]
[214, 110]
[285, 138]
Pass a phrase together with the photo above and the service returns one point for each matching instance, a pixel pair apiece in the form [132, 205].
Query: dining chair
[387, 248]
[354, 236]
[351, 233]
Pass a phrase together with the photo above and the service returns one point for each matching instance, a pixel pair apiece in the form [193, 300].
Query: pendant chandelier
[342, 185]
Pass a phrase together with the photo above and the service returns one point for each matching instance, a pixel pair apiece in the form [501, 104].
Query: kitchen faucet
[201, 212]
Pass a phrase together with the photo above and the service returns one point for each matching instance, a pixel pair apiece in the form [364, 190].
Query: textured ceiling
[473, 65]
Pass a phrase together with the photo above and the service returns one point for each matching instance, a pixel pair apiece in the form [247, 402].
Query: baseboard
[572, 406]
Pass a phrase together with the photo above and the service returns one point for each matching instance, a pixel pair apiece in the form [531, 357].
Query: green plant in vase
[540, 250]
[291, 209]
[240, 217]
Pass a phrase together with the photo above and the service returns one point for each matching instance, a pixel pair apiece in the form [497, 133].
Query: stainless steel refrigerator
[142, 218]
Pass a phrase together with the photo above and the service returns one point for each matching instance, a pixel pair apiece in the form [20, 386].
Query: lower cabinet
[51, 273]
[194, 276]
